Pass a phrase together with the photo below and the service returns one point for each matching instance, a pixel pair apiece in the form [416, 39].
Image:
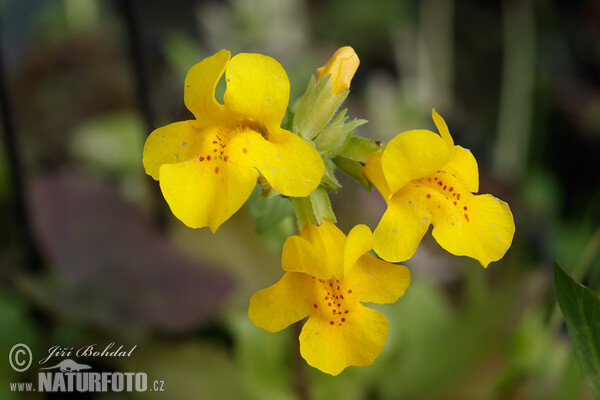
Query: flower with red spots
[207, 167]
[425, 179]
[328, 276]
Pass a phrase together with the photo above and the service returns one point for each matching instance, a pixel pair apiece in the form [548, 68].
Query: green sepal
[266, 214]
[354, 156]
[355, 169]
[335, 138]
[313, 208]
[316, 108]
[329, 180]
[359, 149]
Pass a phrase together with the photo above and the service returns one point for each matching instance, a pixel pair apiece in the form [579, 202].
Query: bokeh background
[89, 251]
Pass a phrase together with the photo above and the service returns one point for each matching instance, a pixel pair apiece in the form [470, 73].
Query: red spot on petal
[245, 150]
[435, 179]
[331, 284]
[438, 206]
[467, 217]
[451, 188]
[339, 312]
[339, 305]
[334, 311]
[208, 158]
[214, 142]
[349, 291]
[315, 306]
[343, 319]
[217, 170]
[465, 208]
[341, 297]
[338, 288]
[221, 153]
[458, 196]
[444, 187]
[454, 202]
[346, 312]
[225, 159]
[428, 196]
[326, 298]
[329, 304]
[331, 322]
[201, 158]
[215, 150]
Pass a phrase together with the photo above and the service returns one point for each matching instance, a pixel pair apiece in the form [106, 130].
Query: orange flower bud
[342, 66]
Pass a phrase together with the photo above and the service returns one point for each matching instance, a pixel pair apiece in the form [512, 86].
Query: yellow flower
[207, 167]
[426, 179]
[328, 275]
[342, 66]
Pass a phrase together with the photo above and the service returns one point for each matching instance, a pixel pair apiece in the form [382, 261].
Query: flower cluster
[207, 168]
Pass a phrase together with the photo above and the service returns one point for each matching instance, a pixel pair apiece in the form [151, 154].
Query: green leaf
[581, 309]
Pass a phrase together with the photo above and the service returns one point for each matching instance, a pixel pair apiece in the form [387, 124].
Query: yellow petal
[333, 347]
[412, 155]
[377, 281]
[299, 255]
[257, 88]
[200, 84]
[464, 168]
[342, 66]
[206, 193]
[401, 228]
[374, 173]
[483, 231]
[359, 241]
[282, 304]
[330, 242]
[442, 129]
[290, 165]
[170, 144]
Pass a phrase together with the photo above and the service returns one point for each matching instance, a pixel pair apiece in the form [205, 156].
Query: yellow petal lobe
[299, 255]
[282, 304]
[208, 189]
[412, 155]
[359, 241]
[442, 128]
[401, 228]
[482, 229]
[292, 166]
[258, 89]
[377, 281]
[331, 347]
[170, 144]
[200, 84]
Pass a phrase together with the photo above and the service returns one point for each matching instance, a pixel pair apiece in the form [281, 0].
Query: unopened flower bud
[342, 66]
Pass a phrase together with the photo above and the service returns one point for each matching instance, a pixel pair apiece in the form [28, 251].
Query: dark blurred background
[89, 252]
